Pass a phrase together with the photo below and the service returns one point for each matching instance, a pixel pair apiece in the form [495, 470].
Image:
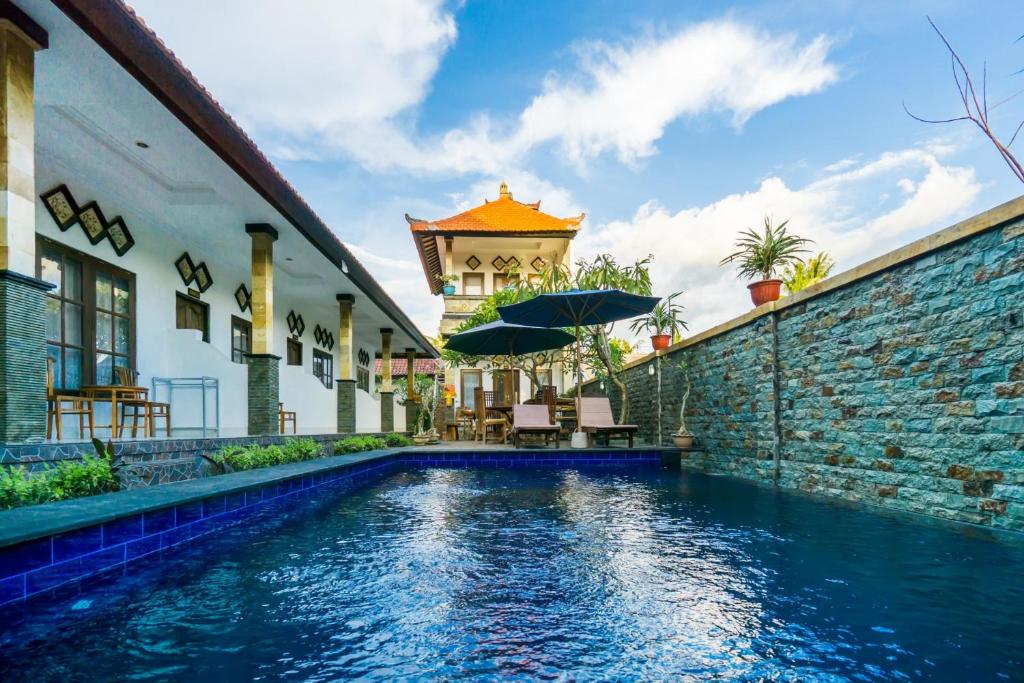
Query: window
[503, 280]
[241, 339]
[471, 379]
[473, 283]
[192, 314]
[294, 352]
[363, 379]
[89, 315]
[323, 367]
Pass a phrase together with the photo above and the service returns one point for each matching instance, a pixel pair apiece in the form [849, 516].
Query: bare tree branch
[976, 109]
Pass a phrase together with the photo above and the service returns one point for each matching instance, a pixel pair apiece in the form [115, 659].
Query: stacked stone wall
[904, 388]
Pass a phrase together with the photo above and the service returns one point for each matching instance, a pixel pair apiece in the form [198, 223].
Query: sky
[673, 125]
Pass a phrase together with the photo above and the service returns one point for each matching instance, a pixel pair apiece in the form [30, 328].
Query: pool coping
[28, 523]
[31, 522]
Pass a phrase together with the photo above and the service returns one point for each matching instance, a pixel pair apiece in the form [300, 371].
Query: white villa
[141, 228]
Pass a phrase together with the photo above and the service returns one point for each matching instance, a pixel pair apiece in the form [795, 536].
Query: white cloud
[344, 79]
[852, 214]
[308, 67]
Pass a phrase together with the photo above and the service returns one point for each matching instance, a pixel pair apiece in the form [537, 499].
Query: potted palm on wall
[664, 322]
[762, 255]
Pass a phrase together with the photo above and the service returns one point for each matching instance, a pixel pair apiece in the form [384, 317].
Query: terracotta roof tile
[503, 215]
[420, 366]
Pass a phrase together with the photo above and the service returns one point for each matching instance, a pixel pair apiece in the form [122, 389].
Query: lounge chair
[534, 419]
[596, 418]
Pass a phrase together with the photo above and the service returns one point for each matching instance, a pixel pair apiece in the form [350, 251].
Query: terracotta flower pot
[660, 341]
[763, 291]
[683, 440]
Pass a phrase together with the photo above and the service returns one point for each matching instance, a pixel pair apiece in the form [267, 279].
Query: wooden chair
[56, 409]
[488, 418]
[466, 419]
[549, 396]
[596, 418]
[140, 406]
[286, 416]
[534, 419]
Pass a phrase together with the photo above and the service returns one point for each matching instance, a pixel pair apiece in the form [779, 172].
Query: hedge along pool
[569, 571]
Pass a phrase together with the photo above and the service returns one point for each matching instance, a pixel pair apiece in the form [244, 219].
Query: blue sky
[672, 125]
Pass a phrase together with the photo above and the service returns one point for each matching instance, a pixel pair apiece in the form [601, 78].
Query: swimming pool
[525, 573]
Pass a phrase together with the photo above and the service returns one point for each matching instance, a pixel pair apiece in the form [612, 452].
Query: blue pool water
[555, 574]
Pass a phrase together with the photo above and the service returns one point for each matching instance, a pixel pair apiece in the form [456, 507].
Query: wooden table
[113, 392]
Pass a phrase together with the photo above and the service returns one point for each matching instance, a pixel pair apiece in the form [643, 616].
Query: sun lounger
[534, 419]
[596, 418]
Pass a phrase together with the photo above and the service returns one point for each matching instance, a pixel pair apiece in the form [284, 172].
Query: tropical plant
[684, 367]
[238, 458]
[358, 444]
[665, 318]
[396, 439]
[448, 279]
[760, 256]
[426, 389]
[799, 276]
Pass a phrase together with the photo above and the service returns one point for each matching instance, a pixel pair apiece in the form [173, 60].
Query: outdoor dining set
[537, 325]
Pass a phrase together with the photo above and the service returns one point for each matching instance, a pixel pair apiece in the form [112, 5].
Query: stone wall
[900, 384]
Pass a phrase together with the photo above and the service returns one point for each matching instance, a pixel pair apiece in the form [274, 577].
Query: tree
[802, 275]
[975, 106]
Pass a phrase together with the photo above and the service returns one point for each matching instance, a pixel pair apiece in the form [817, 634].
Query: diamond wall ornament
[538, 263]
[120, 238]
[330, 341]
[300, 326]
[186, 269]
[473, 262]
[512, 262]
[203, 279]
[363, 357]
[243, 298]
[93, 222]
[291, 320]
[62, 206]
[318, 334]
[498, 263]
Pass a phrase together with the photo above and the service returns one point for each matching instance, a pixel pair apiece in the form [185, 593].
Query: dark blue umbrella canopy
[502, 339]
[580, 307]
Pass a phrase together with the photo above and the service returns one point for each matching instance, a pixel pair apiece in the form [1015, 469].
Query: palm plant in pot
[664, 322]
[448, 283]
[760, 256]
[683, 437]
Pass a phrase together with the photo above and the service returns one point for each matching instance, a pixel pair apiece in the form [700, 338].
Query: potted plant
[448, 283]
[762, 255]
[665, 322]
[683, 437]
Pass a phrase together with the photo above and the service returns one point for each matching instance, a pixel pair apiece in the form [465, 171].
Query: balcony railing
[462, 303]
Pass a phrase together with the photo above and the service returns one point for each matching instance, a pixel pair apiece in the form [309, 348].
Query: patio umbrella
[502, 339]
[578, 308]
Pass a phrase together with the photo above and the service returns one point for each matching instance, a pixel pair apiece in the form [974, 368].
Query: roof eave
[118, 31]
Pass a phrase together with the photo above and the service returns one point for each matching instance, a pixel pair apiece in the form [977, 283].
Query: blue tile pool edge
[54, 564]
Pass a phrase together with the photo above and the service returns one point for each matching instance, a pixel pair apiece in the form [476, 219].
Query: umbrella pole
[579, 382]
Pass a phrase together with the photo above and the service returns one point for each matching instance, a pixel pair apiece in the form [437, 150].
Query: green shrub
[395, 439]
[252, 457]
[357, 444]
[69, 479]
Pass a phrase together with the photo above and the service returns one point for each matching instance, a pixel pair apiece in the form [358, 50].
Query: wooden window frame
[321, 359]
[462, 382]
[290, 344]
[465, 280]
[90, 266]
[363, 378]
[516, 380]
[242, 324]
[205, 307]
[508, 278]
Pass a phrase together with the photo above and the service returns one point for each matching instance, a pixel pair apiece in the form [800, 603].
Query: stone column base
[264, 393]
[387, 411]
[411, 409]
[22, 357]
[346, 406]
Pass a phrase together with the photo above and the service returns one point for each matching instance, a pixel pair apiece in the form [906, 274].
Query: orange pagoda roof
[502, 216]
